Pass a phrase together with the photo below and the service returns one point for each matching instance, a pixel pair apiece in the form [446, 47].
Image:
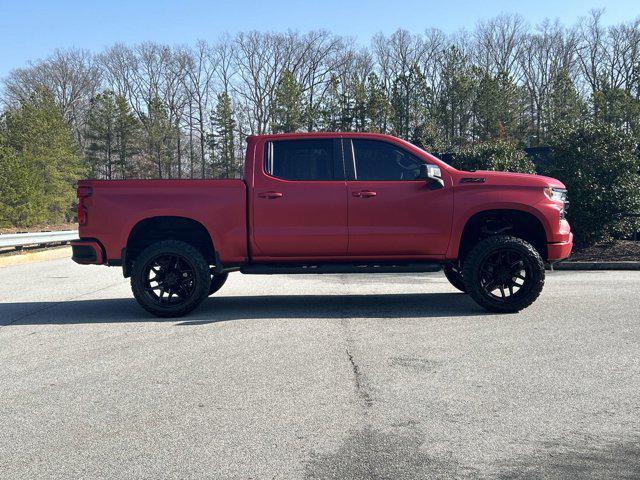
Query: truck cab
[327, 203]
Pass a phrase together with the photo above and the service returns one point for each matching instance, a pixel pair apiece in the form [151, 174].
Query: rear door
[392, 212]
[300, 200]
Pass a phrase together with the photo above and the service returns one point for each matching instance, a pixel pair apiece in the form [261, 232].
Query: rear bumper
[559, 250]
[87, 252]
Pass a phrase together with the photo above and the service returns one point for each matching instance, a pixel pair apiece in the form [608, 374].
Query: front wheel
[170, 278]
[504, 274]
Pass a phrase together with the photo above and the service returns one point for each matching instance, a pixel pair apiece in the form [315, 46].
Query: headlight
[556, 194]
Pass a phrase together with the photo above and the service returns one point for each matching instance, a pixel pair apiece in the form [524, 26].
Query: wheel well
[151, 230]
[517, 223]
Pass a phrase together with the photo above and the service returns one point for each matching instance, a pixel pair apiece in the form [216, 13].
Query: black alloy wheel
[504, 274]
[170, 278]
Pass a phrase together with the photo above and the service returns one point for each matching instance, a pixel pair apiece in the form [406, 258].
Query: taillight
[83, 191]
[82, 214]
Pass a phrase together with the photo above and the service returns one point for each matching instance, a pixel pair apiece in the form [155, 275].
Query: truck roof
[377, 136]
[321, 135]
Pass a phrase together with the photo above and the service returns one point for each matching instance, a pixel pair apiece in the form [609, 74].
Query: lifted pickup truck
[327, 203]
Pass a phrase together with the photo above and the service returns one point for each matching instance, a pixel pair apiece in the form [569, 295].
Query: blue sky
[32, 29]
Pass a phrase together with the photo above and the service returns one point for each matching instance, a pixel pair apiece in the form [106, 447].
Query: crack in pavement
[359, 378]
[362, 392]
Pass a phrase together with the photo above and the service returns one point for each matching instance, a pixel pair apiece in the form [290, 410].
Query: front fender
[461, 218]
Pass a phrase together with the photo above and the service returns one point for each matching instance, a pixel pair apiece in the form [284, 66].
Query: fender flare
[461, 221]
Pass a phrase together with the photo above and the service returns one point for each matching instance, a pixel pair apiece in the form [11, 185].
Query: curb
[23, 257]
[597, 266]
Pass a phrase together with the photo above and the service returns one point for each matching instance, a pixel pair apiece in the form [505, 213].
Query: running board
[379, 267]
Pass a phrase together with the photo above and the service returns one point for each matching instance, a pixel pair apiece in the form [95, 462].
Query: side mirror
[432, 174]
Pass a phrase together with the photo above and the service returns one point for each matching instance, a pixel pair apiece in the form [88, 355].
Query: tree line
[160, 111]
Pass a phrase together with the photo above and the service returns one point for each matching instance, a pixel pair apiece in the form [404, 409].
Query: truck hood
[513, 179]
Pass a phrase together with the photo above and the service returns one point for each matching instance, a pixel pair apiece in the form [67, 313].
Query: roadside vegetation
[557, 100]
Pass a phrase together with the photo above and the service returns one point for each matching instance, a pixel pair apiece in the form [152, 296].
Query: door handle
[271, 195]
[364, 194]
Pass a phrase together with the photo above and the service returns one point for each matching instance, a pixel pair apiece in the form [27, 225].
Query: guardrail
[18, 240]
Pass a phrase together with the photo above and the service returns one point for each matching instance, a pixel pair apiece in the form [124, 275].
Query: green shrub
[599, 165]
[500, 155]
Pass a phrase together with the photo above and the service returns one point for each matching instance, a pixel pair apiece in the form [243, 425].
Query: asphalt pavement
[317, 377]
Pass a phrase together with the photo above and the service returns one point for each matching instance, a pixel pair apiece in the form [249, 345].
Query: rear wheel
[170, 278]
[504, 274]
[217, 281]
[453, 272]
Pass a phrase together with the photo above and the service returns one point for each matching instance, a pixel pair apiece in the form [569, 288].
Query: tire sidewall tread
[455, 278]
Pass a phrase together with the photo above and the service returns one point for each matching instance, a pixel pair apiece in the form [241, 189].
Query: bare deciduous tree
[70, 75]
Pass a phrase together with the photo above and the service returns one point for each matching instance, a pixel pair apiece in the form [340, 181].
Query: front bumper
[87, 252]
[559, 250]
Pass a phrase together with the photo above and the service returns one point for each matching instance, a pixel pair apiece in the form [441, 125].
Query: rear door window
[305, 159]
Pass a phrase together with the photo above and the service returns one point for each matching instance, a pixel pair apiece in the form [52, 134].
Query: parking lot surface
[314, 377]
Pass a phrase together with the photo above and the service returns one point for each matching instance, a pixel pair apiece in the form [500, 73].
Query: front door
[300, 200]
[392, 211]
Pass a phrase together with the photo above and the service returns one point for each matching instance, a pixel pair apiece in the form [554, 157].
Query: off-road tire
[217, 281]
[198, 266]
[453, 273]
[482, 252]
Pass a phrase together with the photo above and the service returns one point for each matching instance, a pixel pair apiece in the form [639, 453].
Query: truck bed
[116, 206]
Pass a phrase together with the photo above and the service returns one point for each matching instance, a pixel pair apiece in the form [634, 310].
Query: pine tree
[221, 141]
[360, 106]
[21, 197]
[496, 107]
[565, 106]
[337, 107]
[455, 98]
[379, 108]
[617, 107]
[399, 101]
[159, 132]
[100, 133]
[127, 136]
[112, 131]
[288, 108]
[39, 163]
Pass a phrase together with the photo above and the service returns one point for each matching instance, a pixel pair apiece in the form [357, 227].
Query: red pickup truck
[327, 203]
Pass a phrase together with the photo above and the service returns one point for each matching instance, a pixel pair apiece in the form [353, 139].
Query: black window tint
[301, 160]
[375, 160]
